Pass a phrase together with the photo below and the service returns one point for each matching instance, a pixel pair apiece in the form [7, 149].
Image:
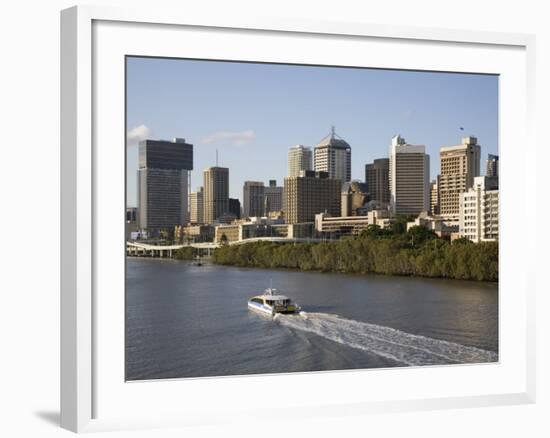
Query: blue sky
[252, 113]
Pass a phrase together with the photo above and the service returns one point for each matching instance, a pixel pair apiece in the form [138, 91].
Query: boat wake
[406, 348]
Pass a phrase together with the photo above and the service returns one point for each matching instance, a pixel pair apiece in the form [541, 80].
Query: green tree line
[185, 253]
[417, 252]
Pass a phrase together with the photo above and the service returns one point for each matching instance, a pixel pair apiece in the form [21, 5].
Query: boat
[198, 261]
[273, 303]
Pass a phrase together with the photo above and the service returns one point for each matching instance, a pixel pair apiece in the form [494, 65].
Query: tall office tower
[310, 193]
[273, 197]
[409, 177]
[216, 193]
[299, 158]
[196, 215]
[377, 178]
[354, 196]
[235, 207]
[478, 220]
[492, 165]
[253, 198]
[434, 197]
[163, 174]
[333, 155]
[459, 167]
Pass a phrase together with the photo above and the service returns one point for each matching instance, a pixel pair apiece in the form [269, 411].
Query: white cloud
[135, 135]
[235, 138]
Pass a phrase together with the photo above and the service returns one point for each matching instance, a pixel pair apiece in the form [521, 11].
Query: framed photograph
[253, 209]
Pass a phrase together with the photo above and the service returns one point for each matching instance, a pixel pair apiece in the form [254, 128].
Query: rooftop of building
[333, 140]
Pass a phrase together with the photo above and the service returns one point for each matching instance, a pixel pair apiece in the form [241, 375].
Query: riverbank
[434, 258]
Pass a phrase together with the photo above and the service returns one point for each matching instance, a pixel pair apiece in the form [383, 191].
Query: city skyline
[249, 110]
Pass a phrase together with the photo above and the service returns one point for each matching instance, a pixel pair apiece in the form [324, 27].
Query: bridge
[139, 249]
[148, 250]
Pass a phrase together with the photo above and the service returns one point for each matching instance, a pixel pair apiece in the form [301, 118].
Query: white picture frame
[86, 374]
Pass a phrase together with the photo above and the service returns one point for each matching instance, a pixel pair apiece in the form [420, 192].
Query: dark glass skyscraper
[492, 165]
[377, 178]
[163, 183]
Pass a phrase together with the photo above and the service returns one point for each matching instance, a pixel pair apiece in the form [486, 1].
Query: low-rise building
[199, 233]
[441, 226]
[341, 225]
[242, 231]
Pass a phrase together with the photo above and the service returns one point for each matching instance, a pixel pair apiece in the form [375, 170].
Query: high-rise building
[273, 197]
[409, 177]
[216, 193]
[377, 178]
[478, 219]
[253, 198]
[235, 207]
[492, 165]
[310, 193]
[459, 167]
[299, 158]
[333, 155]
[434, 196]
[354, 197]
[196, 215]
[163, 175]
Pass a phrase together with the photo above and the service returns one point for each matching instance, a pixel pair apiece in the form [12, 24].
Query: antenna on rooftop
[216, 158]
[332, 131]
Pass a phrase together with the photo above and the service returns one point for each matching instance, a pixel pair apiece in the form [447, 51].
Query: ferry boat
[272, 303]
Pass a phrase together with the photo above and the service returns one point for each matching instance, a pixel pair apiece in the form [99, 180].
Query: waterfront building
[262, 229]
[380, 217]
[377, 178]
[273, 197]
[163, 182]
[434, 196]
[198, 233]
[341, 225]
[235, 207]
[492, 165]
[459, 167]
[196, 206]
[440, 226]
[333, 155]
[409, 177]
[336, 227]
[479, 210]
[216, 193]
[299, 158]
[311, 193]
[354, 197]
[253, 198]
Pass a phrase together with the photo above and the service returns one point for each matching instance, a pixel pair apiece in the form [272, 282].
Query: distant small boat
[272, 303]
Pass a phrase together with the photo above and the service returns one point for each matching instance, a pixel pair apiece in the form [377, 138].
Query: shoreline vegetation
[417, 252]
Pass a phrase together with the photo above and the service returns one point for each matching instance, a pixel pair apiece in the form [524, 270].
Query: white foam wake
[384, 341]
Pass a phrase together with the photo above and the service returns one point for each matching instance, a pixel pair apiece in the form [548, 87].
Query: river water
[190, 321]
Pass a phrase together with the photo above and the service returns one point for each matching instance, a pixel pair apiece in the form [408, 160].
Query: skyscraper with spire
[333, 155]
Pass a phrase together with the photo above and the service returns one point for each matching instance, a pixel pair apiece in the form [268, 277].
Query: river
[192, 321]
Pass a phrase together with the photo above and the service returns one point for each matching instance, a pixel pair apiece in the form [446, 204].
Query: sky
[252, 113]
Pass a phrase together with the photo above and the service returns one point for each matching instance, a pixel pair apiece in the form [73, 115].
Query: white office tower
[197, 206]
[409, 177]
[333, 155]
[299, 158]
[479, 210]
